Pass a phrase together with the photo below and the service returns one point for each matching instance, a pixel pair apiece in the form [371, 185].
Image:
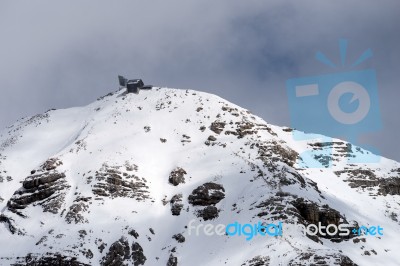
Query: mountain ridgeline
[118, 181]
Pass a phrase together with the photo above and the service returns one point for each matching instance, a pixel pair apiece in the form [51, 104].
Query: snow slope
[111, 183]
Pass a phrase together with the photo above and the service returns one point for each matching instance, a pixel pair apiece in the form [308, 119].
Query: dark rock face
[176, 204]
[36, 181]
[207, 194]
[137, 255]
[48, 188]
[390, 186]
[257, 261]
[172, 261]
[212, 138]
[217, 127]
[49, 260]
[208, 213]
[359, 178]
[75, 213]
[311, 213]
[10, 224]
[133, 233]
[289, 207]
[118, 254]
[272, 151]
[177, 176]
[51, 164]
[113, 183]
[328, 259]
[179, 237]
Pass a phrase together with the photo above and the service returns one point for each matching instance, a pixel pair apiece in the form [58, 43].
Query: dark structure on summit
[133, 85]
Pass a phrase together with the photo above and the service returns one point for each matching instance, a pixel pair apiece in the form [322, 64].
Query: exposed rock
[51, 164]
[311, 213]
[176, 204]
[113, 183]
[79, 206]
[46, 189]
[358, 173]
[367, 178]
[87, 253]
[207, 194]
[133, 233]
[278, 207]
[390, 186]
[177, 176]
[208, 213]
[137, 254]
[10, 224]
[179, 237]
[327, 259]
[272, 151]
[257, 261]
[212, 138]
[172, 261]
[36, 181]
[217, 127]
[82, 233]
[48, 260]
[118, 254]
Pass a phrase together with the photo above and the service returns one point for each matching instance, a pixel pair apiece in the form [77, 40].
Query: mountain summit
[143, 179]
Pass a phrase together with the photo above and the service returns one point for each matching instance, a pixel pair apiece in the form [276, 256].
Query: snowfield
[118, 181]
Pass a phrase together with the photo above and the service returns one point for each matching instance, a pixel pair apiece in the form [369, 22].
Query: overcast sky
[59, 55]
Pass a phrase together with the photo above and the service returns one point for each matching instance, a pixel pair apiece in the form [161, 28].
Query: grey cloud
[68, 53]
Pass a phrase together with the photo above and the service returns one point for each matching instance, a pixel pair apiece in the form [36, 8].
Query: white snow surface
[121, 130]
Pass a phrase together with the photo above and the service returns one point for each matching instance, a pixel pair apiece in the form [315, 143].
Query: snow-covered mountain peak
[121, 181]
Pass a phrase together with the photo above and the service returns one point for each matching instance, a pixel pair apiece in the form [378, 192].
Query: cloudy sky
[58, 55]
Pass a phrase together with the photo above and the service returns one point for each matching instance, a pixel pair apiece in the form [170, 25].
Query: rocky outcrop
[217, 127]
[76, 210]
[113, 182]
[50, 164]
[290, 208]
[176, 204]
[272, 151]
[257, 261]
[48, 260]
[172, 260]
[47, 188]
[390, 186]
[308, 258]
[360, 178]
[179, 238]
[9, 222]
[177, 176]
[118, 254]
[207, 194]
[208, 213]
[311, 213]
[138, 256]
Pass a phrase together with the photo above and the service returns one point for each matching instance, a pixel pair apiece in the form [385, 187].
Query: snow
[112, 130]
